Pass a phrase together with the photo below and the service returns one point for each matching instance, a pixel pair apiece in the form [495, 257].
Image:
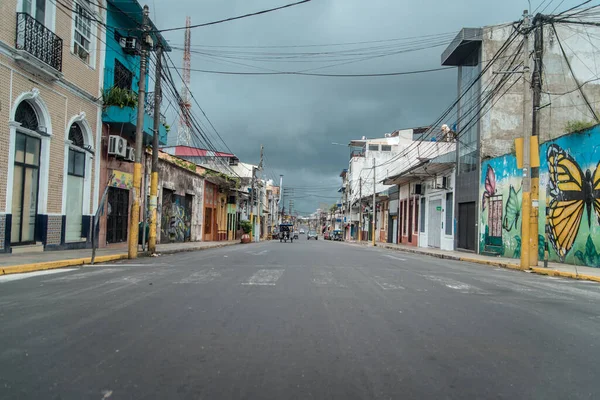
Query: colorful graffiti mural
[569, 190]
[176, 217]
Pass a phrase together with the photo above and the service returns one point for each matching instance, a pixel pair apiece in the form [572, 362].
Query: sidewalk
[18, 263]
[554, 269]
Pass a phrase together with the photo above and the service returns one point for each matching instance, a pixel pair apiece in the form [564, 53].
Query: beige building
[51, 61]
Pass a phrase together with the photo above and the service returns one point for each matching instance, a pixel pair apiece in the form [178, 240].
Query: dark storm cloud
[296, 118]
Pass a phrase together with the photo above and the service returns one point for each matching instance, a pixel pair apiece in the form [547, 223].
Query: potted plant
[246, 228]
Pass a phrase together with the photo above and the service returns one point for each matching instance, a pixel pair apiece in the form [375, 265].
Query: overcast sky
[297, 118]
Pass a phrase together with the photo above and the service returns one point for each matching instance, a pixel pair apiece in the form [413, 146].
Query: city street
[309, 319]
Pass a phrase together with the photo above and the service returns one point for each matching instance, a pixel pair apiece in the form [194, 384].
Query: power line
[326, 75]
[236, 18]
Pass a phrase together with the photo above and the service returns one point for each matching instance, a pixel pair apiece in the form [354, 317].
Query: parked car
[312, 235]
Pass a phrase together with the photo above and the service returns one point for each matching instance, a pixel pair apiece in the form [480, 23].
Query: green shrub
[246, 226]
[116, 96]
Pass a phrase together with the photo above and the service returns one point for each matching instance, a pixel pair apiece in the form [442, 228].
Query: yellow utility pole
[139, 138]
[526, 233]
[154, 176]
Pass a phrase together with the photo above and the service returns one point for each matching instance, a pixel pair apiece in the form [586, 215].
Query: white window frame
[89, 8]
[50, 17]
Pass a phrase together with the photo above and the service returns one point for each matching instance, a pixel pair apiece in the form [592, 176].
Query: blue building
[119, 114]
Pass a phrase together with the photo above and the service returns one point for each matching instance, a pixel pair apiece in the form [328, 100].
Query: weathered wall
[574, 227]
[561, 100]
[180, 198]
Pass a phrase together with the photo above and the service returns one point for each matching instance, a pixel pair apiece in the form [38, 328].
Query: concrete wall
[180, 199]
[501, 222]
[504, 122]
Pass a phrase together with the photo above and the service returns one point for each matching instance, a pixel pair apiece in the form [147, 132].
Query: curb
[19, 269]
[42, 266]
[516, 267]
[186, 250]
[563, 274]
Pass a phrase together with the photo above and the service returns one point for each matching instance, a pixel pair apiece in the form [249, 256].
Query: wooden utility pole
[139, 139]
[154, 176]
[526, 207]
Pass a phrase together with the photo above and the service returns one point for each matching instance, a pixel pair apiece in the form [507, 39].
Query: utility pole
[374, 206]
[139, 139]
[259, 213]
[154, 176]
[526, 207]
[536, 79]
[252, 202]
[280, 197]
[360, 217]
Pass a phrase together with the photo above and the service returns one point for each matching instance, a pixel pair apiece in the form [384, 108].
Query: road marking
[325, 278]
[258, 253]
[382, 283]
[17, 277]
[395, 258]
[202, 277]
[82, 275]
[265, 277]
[455, 285]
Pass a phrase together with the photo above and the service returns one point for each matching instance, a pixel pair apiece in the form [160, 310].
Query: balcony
[39, 50]
[123, 118]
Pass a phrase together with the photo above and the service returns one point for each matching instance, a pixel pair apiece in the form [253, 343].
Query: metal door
[467, 229]
[118, 215]
[395, 229]
[434, 224]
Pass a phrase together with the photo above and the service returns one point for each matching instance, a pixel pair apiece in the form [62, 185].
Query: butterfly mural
[513, 209]
[571, 193]
[489, 187]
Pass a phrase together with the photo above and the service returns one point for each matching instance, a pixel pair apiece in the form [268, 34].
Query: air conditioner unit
[129, 44]
[117, 146]
[130, 154]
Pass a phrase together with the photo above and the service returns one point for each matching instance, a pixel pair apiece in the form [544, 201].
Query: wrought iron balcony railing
[39, 41]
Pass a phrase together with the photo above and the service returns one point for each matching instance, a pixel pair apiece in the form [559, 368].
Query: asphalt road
[306, 320]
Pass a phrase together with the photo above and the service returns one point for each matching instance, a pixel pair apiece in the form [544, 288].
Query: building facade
[51, 60]
[121, 73]
[488, 184]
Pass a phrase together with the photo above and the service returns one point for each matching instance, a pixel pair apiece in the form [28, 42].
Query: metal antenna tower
[184, 133]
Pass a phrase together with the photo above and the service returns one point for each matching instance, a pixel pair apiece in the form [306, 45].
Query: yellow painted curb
[19, 269]
[492, 263]
[563, 274]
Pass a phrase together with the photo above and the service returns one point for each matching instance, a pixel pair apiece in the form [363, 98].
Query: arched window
[26, 116]
[76, 135]
[26, 176]
[76, 156]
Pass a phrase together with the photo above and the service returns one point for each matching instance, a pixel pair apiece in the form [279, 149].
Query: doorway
[466, 226]
[117, 215]
[435, 223]
[25, 189]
